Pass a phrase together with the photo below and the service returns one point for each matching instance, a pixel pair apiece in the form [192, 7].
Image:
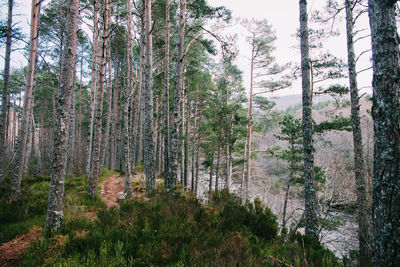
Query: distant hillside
[283, 102]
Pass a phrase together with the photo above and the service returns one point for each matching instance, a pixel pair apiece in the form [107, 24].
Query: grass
[177, 230]
[162, 230]
[30, 208]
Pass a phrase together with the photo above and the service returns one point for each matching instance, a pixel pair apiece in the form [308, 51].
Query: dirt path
[112, 189]
[11, 251]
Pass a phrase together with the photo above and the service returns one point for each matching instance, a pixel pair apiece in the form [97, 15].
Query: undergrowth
[175, 230]
[30, 207]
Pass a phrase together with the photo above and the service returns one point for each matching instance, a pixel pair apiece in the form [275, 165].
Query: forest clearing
[199, 133]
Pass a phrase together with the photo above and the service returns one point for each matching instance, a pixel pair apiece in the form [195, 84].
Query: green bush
[178, 230]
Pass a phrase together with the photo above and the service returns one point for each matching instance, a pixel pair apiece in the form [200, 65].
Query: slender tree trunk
[182, 132]
[71, 140]
[186, 161]
[128, 96]
[194, 138]
[211, 167]
[359, 167]
[249, 127]
[57, 171]
[309, 187]
[174, 138]
[139, 104]
[109, 107]
[285, 201]
[4, 99]
[27, 154]
[93, 89]
[166, 95]
[196, 187]
[24, 128]
[148, 131]
[217, 167]
[386, 115]
[80, 116]
[114, 124]
[94, 176]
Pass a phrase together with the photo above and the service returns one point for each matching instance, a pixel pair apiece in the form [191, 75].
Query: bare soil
[112, 189]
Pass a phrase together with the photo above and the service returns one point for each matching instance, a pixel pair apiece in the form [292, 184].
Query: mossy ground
[162, 230]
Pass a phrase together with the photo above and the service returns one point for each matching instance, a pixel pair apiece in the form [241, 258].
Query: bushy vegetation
[166, 230]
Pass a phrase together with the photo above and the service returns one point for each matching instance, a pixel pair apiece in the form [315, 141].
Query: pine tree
[309, 188]
[291, 132]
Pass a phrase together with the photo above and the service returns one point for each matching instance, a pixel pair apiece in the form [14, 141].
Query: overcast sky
[282, 15]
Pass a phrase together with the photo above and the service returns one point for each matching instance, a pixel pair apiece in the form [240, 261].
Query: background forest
[131, 138]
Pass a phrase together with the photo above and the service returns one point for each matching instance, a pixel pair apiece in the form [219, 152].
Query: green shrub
[177, 230]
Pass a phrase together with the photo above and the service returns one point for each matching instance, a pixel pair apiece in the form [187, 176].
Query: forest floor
[112, 189]
[11, 251]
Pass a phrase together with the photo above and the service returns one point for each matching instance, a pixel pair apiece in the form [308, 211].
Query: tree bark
[4, 98]
[106, 141]
[211, 167]
[94, 176]
[57, 171]
[174, 138]
[186, 161]
[71, 140]
[218, 160]
[309, 186]
[386, 115]
[249, 126]
[24, 127]
[139, 104]
[166, 94]
[148, 131]
[128, 96]
[359, 167]
[93, 89]
[114, 124]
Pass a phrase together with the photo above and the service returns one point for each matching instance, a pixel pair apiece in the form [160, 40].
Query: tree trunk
[71, 140]
[24, 127]
[249, 127]
[386, 115]
[285, 203]
[196, 187]
[194, 138]
[57, 171]
[309, 186]
[94, 176]
[139, 105]
[93, 89]
[359, 167]
[148, 131]
[166, 94]
[211, 167]
[174, 138]
[114, 134]
[186, 161]
[128, 96]
[217, 167]
[109, 106]
[4, 98]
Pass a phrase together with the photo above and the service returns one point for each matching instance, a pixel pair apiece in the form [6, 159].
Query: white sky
[282, 15]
